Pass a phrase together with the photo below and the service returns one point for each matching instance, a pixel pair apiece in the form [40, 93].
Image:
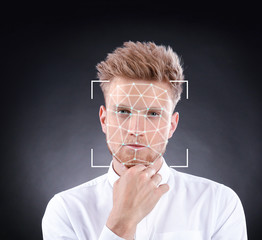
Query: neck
[120, 169]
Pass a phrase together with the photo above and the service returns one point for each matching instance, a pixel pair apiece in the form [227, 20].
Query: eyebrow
[121, 106]
[150, 108]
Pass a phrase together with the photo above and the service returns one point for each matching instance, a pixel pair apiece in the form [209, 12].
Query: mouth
[135, 146]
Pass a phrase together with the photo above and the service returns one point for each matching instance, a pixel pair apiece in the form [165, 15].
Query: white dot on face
[134, 158]
[165, 90]
[117, 86]
[119, 126]
[155, 97]
[141, 95]
[133, 83]
[127, 95]
[157, 130]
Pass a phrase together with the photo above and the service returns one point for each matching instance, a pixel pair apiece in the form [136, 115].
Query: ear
[102, 117]
[174, 122]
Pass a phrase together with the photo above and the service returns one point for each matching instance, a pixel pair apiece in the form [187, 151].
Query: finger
[138, 168]
[156, 179]
[162, 189]
[149, 171]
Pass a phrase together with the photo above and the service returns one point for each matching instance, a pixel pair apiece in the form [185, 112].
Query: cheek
[165, 131]
[157, 127]
[117, 119]
[115, 129]
[111, 127]
[159, 138]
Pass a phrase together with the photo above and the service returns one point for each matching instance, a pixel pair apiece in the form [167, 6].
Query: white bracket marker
[92, 151]
[182, 166]
[92, 82]
[92, 161]
[183, 81]
[100, 166]
[92, 85]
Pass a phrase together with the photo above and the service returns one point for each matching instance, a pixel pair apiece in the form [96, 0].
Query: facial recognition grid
[148, 116]
[150, 95]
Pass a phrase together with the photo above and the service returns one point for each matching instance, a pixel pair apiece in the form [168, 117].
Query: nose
[136, 124]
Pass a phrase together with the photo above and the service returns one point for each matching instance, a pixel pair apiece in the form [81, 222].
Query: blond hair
[143, 60]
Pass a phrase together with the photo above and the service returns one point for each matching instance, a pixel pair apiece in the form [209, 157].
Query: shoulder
[201, 185]
[94, 183]
[87, 191]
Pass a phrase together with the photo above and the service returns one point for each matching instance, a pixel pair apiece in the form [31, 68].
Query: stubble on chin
[127, 155]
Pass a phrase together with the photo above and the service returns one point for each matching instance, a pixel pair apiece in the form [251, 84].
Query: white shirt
[194, 208]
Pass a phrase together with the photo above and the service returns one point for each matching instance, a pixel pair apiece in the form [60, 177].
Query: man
[141, 197]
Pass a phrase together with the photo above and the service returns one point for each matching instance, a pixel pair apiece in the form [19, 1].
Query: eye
[153, 114]
[123, 111]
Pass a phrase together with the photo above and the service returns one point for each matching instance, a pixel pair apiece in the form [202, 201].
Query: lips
[135, 146]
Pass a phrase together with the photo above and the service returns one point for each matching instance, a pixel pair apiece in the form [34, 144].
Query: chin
[135, 162]
[126, 156]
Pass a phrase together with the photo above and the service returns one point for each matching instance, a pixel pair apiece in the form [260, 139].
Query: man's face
[138, 120]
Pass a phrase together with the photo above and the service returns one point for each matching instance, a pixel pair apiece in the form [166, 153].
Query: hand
[135, 194]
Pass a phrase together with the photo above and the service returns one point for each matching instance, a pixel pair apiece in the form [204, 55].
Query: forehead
[140, 94]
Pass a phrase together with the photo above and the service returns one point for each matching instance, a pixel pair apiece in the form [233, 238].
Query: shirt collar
[164, 172]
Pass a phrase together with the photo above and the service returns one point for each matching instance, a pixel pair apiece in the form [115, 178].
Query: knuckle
[156, 180]
[143, 176]
[153, 171]
[159, 177]
[152, 184]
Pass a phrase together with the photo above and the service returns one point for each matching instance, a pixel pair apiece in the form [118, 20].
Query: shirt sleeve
[107, 234]
[230, 221]
[55, 223]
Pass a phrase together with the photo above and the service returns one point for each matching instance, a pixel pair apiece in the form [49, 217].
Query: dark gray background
[50, 124]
